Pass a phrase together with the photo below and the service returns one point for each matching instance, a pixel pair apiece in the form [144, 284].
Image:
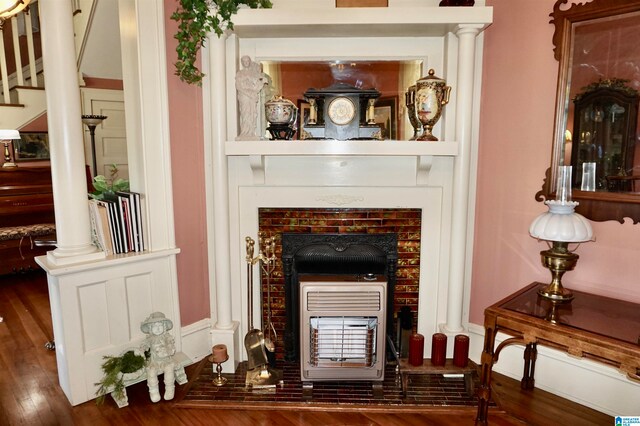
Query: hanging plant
[196, 19]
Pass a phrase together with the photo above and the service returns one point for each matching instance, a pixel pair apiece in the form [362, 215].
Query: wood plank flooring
[30, 394]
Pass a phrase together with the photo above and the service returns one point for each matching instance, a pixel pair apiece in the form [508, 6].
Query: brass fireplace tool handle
[268, 264]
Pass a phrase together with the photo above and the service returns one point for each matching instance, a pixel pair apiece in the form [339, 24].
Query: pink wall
[187, 163]
[517, 118]
[518, 101]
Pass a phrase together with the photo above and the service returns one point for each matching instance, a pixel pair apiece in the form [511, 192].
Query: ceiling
[102, 57]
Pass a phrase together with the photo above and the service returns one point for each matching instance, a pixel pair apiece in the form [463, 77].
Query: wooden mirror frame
[597, 206]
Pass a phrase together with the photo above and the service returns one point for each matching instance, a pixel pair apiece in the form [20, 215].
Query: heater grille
[342, 341]
[343, 301]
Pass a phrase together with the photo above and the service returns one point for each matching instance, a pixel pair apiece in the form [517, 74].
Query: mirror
[292, 79]
[596, 123]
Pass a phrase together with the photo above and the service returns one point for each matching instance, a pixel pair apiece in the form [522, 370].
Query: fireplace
[359, 255]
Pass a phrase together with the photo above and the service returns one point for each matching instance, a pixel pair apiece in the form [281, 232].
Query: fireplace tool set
[260, 349]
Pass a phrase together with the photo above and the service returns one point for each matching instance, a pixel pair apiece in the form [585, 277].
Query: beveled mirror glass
[596, 123]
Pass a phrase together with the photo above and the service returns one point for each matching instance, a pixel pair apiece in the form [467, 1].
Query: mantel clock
[341, 112]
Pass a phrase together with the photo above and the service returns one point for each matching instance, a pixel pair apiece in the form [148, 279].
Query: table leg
[530, 355]
[484, 392]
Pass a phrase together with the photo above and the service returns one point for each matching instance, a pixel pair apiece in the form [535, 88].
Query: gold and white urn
[432, 94]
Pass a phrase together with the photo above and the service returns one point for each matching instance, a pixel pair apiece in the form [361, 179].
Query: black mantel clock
[341, 112]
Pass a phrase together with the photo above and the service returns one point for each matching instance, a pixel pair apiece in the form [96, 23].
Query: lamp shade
[6, 134]
[561, 223]
[8, 8]
[93, 120]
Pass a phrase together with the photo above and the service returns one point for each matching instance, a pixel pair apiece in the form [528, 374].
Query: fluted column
[464, 107]
[65, 135]
[217, 61]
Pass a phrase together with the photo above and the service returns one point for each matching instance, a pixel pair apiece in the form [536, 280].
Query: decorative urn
[432, 94]
[410, 102]
[281, 114]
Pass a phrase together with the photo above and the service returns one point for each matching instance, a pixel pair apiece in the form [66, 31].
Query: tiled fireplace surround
[404, 223]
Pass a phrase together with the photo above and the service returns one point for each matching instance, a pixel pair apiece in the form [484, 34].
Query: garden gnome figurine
[161, 348]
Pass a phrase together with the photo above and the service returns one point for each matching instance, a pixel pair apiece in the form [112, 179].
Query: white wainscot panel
[97, 310]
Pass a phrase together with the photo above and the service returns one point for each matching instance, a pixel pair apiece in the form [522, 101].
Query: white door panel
[110, 135]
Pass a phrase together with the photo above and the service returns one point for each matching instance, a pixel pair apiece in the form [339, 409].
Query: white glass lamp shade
[8, 8]
[6, 135]
[561, 223]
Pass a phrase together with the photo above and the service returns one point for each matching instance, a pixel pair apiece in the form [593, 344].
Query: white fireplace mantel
[422, 152]
[393, 173]
[301, 20]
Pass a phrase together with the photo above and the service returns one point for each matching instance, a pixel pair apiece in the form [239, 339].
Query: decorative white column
[224, 330]
[65, 134]
[464, 106]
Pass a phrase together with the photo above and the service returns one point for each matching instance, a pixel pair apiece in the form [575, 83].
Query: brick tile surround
[406, 223]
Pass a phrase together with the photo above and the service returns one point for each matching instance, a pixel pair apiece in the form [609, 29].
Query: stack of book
[117, 224]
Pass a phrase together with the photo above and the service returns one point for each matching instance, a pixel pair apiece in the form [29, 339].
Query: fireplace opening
[359, 255]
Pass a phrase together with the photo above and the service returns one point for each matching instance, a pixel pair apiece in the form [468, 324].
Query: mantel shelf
[419, 21]
[422, 151]
[335, 147]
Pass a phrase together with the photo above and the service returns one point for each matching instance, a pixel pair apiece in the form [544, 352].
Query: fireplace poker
[268, 262]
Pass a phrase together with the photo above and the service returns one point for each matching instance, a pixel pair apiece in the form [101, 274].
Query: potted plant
[117, 370]
[105, 188]
[196, 19]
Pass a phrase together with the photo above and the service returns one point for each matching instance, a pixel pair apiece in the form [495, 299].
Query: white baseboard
[586, 382]
[196, 339]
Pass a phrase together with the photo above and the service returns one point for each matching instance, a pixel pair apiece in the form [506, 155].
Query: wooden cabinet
[604, 133]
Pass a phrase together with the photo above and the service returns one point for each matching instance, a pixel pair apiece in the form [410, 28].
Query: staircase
[22, 97]
[22, 93]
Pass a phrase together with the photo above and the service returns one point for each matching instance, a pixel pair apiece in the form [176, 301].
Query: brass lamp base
[558, 260]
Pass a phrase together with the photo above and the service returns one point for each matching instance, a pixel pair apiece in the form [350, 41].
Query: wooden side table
[590, 326]
[407, 369]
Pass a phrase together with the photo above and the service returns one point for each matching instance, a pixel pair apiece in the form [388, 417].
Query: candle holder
[218, 356]
[219, 380]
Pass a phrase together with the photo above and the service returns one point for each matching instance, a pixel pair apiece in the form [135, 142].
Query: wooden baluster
[16, 50]
[3, 68]
[33, 72]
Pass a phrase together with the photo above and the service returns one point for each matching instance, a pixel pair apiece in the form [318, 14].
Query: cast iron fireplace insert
[333, 254]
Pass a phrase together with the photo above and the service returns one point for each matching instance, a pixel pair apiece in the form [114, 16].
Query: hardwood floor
[30, 394]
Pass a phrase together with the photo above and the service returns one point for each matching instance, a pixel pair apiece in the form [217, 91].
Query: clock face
[341, 111]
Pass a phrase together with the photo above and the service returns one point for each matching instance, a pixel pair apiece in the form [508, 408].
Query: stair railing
[13, 60]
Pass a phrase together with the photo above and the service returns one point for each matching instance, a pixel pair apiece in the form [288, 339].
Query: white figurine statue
[249, 82]
[161, 347]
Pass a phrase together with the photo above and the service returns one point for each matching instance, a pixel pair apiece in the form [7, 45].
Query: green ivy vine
[196, 19]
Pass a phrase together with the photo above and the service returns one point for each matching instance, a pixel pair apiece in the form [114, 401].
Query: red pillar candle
[439, 349]
[461, 350]
[416, 349]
